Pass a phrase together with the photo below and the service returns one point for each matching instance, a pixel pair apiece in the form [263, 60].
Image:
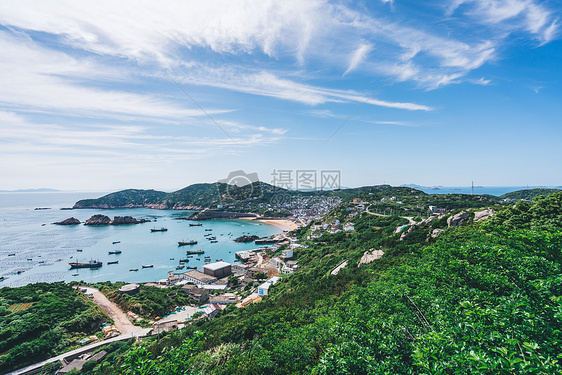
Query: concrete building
[224, 299]
[287, 254]
[218, 269]
[197, 294]
[129, 289]
[198, 277]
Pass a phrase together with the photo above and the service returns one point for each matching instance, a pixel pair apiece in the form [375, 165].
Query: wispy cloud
[358, 55]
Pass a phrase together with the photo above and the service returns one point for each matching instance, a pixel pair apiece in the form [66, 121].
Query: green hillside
[482, 298]
[124, 198]
[529, 193]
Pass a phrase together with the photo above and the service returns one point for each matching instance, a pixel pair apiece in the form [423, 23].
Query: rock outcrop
[436, 232]
[458, 219]
[484, 214]
[247, 238]
[369, 256]
[98, 220]
[69, 221]
[117, 220]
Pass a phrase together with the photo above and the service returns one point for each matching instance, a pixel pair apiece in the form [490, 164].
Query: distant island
[41, 190]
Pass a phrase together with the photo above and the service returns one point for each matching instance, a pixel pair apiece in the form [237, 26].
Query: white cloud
[358, 55]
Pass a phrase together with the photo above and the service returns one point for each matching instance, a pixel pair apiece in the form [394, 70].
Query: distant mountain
[529, 193]
[240, 198]
[41, 190]
[129, 198]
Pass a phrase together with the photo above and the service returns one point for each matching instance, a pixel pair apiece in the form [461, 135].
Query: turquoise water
[51, 247]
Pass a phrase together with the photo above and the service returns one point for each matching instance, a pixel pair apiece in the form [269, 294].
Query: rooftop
[216, 266]
[198, 275]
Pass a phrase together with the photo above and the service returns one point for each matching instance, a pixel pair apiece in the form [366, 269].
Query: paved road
[409, 218]
[36, 367]
[122, 323]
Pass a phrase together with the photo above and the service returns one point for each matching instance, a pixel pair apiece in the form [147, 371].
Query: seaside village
[207, 288]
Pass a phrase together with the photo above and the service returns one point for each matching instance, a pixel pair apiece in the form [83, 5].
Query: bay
[29, 234]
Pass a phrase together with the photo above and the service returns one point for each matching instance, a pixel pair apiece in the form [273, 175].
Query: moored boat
[194, 252]
[90, 264]
[195, 225]
[159, 229]
[133, 269]
[114, 262]
[115, 252]
[147, 266]
[183, 243]
[114, 242]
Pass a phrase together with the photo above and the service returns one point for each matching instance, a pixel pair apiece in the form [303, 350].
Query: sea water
[43, 250]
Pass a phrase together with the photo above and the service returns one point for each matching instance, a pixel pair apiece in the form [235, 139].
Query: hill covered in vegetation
[40, 320]
[478, 298]
[528, 193]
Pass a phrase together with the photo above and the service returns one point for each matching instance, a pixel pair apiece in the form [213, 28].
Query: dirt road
[122, 323]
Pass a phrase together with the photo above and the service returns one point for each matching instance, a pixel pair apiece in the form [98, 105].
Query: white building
[263, 289]
[287, 254]
[348, 227]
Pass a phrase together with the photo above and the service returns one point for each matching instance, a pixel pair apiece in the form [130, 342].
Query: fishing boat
[114, 262]
[191, 268]
[215, 241]
[194, 252]
[114, 242]
[209, 229]
[198, 259]
[79, 250]
[195, 225]
[184, 260]
[212, 238]
[180, 267]
[171, 258]
[133, 269]
[90, 264]
[189, 256]
[74, 274]
[29, 258]
[12, 255]
[159, 229]
[2, 278]
[183, 243]
[147, 266]
[115, 252]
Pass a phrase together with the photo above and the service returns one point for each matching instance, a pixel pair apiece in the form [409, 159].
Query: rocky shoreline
[117, 220]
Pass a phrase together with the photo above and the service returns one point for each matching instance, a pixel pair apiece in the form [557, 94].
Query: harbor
[50, 247]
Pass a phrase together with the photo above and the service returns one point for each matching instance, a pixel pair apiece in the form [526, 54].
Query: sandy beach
[283, 224]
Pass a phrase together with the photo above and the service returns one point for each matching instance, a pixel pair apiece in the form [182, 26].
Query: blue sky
[89, 102]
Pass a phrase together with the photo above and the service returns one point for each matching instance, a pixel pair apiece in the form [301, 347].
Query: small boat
[29, 258]
[218, 260]
[133, 269]
[196, 225]
[180, 267]
[194, 252]
[79, 250]
[214, 241]
[183, 243]
[41, 261]
[114, 262]
[212, 238]
[74, 274]
[184, 260]
[115, 252]
[159, 229]
[198, 259]
[189, 256]
[148, 266]
[58, 282]
[209, 229]
[171, 258]
[90, 264]
[2, 278]
[12, 255]
[114, 242]
[207, 260]
[190, 268]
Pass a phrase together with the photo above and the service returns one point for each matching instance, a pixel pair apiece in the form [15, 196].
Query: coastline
[283, 224]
